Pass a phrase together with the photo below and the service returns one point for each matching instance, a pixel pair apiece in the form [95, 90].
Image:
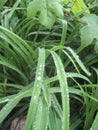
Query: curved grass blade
[78, 60]
[13, 67]
[76, 75]
[19, 42]
[71, 61]
[18, 86]
[12, 103]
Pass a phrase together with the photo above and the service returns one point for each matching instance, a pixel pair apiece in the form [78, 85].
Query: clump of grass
[45, 74]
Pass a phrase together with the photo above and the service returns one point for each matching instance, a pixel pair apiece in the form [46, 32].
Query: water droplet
[63, 83]
[70, 49]
[77, 57]
[62, 127]
[38, 78]
[6, 100]
[34, 97]
[40, 65]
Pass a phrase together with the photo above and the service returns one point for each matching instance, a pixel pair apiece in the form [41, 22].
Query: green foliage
[2, 2]
[95, 123]
[91, 29]
[77, 6]
[49, 64]
[47, 11]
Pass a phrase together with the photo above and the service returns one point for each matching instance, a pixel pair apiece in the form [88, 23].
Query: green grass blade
[56, 106]
[8, 107]
[12, 101]
[19, 42]
[46, 94]
[71, 59]
[13, 67]
[95, 123]
[52, 120]
[36, 90]
[41, 120]
[64, 90]
[11, 85]
[78, 60]
[76, 75]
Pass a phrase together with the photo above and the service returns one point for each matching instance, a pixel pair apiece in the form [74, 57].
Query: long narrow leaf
[95, 123]
[64, 90]
[36, 90]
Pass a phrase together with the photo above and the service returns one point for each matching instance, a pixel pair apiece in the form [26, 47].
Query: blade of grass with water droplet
[36, 90]
[76, 75]
[52, 79]
[14, 100]
[55, 104]
[78, 60]
[46, 94]
[71, 59]
[64, 90]
[42, 116]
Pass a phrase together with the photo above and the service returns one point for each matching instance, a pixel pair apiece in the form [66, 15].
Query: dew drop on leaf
[38, 78]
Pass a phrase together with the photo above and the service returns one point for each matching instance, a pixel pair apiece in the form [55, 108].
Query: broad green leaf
[89, 32]
[33, 8]
[47, 11]
[56, 8]
[47, 18]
